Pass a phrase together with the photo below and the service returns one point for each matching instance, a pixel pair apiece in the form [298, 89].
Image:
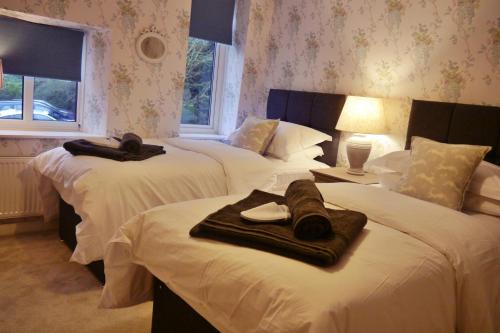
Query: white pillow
[389, 168]
[478, 203]
[291, 138]
[396, 161]
[485, 181]
[307, 154]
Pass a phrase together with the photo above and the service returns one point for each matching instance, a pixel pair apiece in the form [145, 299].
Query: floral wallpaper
[253, 98]
[399, 50]
[253, 23]
[446, 50]
[234, 68]
[122, 92]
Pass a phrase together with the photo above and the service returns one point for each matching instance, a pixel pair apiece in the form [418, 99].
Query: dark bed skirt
[68, 220]
[171, 314]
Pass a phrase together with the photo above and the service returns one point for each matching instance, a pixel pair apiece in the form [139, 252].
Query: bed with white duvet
[416, 267]
[106, 193]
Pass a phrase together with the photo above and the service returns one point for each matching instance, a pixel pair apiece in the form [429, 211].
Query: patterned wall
[444, 50]
[234, 68]
[126, 93]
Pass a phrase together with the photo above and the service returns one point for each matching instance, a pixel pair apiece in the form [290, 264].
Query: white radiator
[19, 195]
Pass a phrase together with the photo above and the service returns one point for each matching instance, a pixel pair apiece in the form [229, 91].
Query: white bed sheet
[106, 193]
[287, 172]
[435, 271]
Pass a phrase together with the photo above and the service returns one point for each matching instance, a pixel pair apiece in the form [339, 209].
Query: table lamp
[360, 115]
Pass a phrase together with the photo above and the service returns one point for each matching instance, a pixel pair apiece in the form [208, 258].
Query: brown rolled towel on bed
[226, 225]
[131, 142]
[310, 219]
[84, 147]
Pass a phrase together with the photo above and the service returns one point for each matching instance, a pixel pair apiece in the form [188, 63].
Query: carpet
[40, 291]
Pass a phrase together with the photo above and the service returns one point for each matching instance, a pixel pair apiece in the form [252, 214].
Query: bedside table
[338, 174]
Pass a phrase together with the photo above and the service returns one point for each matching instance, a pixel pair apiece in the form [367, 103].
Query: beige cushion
[255, 134]
[440, 172]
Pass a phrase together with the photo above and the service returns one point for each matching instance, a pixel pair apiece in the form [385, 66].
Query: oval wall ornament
[151, 47]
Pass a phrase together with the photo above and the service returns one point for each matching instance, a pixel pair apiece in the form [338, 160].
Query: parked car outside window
[42, 110]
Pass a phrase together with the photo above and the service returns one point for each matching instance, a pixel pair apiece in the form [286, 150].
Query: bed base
[172, 314]
[68, 220]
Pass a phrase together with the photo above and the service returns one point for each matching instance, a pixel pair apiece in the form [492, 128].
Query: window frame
[27, 122]
[218, 77]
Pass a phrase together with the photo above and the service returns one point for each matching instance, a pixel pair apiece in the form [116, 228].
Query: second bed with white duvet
[106, 193]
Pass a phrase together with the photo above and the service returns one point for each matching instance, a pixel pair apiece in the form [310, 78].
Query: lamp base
[358, 149]
[356, 172]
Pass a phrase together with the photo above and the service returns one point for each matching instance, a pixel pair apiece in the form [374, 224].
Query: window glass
[11, 97]
[198, 83]
[54, 100]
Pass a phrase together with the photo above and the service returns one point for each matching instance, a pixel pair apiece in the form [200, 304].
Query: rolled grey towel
[310, 219]
[131, 142]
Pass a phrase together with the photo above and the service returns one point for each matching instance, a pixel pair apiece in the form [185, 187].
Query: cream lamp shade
[1, 74]
[361, 115]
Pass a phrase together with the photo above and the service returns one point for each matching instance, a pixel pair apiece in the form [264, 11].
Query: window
[28, 102]
[203, 83]
[42, 66]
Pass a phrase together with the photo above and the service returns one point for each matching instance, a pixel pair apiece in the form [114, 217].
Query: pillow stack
[280, 139]
[441, 172]
[307, 154]
[483, 194]
[292, 138]
[450, 175]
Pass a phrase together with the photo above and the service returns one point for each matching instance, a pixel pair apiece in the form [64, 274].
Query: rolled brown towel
[84, 147]
[310, 219]
[131, 142]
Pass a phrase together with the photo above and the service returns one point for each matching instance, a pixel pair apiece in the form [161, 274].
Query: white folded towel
[269, 212]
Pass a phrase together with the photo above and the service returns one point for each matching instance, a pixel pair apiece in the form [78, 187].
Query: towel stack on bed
[130, 148]
[314, 234]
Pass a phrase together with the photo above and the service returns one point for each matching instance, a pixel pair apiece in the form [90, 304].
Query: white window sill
[202, 136]
[15, 134]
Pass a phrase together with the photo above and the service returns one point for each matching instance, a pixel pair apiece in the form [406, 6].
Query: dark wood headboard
[315, 110]
[457, 123]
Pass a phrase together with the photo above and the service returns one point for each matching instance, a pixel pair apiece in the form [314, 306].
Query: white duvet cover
[287, 172]
[417, 267]
[106, 193]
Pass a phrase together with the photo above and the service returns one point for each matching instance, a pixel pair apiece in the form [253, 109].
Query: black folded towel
[84, 147]
[130, 142]
[310, 219]
[226, 225]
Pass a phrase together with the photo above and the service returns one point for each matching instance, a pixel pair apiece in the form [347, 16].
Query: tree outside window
[198, 84]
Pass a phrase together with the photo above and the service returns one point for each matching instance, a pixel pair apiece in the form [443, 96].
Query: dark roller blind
[40, 50]
[212, 20]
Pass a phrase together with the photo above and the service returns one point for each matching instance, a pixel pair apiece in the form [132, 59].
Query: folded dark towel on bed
[310, 219]
[226, 225]
[131, 142]
[84, 147]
